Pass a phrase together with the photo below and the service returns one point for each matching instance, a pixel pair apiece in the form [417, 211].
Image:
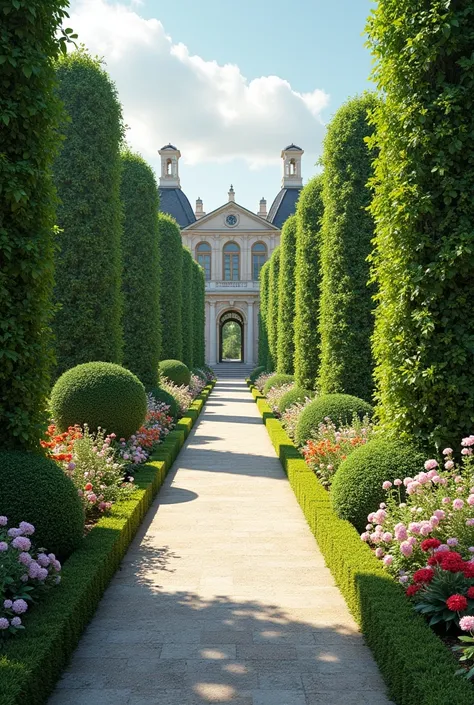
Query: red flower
[412, 590]
[456, 603]
[427, 544]
[470, 593]
[452, 561]
[424, 575]
[88, 486]
[468, 570]
[436, 558]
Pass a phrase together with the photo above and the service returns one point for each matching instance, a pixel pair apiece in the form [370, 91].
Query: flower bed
[31, 664]
[416, 665]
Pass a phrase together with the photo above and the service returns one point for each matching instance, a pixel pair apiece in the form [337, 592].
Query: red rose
[468, 570]
[456, 603]
[427, 544]
[424, 575]
[412, 590]
[88, 486]
[470, 593]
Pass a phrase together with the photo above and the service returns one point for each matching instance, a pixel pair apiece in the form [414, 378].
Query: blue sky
[196, 74]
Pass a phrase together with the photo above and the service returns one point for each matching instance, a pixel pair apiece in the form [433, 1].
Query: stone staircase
[232, 370]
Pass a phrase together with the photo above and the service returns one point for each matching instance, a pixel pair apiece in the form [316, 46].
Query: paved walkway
[223, 596]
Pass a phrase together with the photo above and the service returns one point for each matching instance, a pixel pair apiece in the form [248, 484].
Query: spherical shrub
[256, 372]
[277, 380]
[340, 408]
[294, 396]
[175, 371]
[357, 485]
[199, 373]
[99, 394]
[167, 398]
[36, 490]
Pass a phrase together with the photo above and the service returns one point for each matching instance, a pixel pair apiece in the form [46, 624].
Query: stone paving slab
[223, 596]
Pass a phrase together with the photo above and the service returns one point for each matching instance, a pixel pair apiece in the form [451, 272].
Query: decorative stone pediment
[229, 218]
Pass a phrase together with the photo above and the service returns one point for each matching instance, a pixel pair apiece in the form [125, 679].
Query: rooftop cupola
[291, 156]
[231, 194]
[169, 166]
[199, 212]
[262, 211]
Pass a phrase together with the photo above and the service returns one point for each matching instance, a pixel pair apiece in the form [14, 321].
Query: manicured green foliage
[264, 354]
[35, 489]
[162, 395]
[187, 337]
[87, 324]
[171, 261]
[99, 394]
[297, 395]
[309, 212]
[199, 317]
[30, 114]
[356, 489]
[277, 380]
[272, 305]
[340, 408]
[176, 371]
[141, 271]
[424, 210]
[286, 299]
[346, 307]
[256, 372]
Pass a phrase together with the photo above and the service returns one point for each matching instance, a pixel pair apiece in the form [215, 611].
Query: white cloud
[212, 112]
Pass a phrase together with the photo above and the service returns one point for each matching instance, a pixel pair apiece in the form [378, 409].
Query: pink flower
[447, 451]
[387, 537]
[4, 623]
[397, 482]
[469, 441]
[401, 533]
[365, 536]
[466, 623]
[407, 481]
[458, 503]
[434, 522]
[470, 522]
[388, 560]
[440, 513]
[21, 543]
[19, 606]
[3, 521]
[466, 451]
[411, 540]
[379, 552]
[446, 500]
[470, 500]
[425, 529]
[406, 549]
[458, 479]
[414, 527]
[432, 474]
[414, 487]
[386, 485]
[431, 464]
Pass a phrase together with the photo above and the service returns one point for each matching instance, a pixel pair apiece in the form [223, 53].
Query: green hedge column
[424, 210]
[171, 259]
[29, 138]
[286, 301]
[141, 271]
[272, 313]
[199, 316]
[307, 283]
[87, 175]
[264, 354]
[346, 313]
[187, 309]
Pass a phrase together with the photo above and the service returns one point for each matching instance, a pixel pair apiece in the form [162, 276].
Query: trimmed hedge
[99, 394]
[171, 262]
[87, 323]
[286, 300]
[141, 271]
[199, 315]
[417, 667]
[272, 310]
[187, 309]
[31, 664]
[277, 380]
[339, 407]
[176, 371]
[264, 354]
[309, 212]
[346, 308]
[29, 142]
[293, 396]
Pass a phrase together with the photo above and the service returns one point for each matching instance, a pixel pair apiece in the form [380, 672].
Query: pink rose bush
[25, 573]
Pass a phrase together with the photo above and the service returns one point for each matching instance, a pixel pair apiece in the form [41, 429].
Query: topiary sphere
[199, 373]
[256, 372]
[162, 395]
[297, 395]
[277, 380]
[99, 394]
[340, 408]
[36, 490]
[175, 371]
[356, 490]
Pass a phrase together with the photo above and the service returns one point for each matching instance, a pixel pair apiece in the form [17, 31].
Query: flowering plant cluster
[24, 574]
[207, 374]
[182, 394]
[158, 423]
[261, 380]
[289, 418]
[196, 385]
[330, 445]
[276, 393]
[466, 646]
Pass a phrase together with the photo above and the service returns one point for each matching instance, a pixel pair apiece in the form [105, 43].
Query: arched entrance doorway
[231, 337]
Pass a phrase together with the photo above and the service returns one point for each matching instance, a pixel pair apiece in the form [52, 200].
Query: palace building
[231, 243]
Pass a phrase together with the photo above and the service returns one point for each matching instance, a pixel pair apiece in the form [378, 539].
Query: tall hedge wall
[286, 300]
[187, 309]
[424, 210]
[199, 316]
[264, 354]
[346, 305]
[171, 261]
[87, 324]
[30, 116]
[141, 270]
[272, 311]
[309, 212]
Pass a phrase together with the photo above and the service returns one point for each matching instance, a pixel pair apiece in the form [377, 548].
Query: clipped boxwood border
[416, 665]
[31, 664]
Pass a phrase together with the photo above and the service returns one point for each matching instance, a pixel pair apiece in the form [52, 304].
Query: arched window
[203, 256]
[292, 167]
[231, 262]
[259, 257]
[169, 167]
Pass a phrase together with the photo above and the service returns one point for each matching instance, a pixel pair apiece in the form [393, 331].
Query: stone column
[212, 333]
[249, 352]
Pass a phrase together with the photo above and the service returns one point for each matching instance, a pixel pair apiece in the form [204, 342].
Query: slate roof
[169, 146]
[283, 206]
[292, 147]
[174, 202]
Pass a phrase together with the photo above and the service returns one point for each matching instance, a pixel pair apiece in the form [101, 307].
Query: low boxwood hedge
[416, 665]
[31, 663]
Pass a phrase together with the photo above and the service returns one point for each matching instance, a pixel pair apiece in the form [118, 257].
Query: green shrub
[199, 317]
[272, 305]
[277, 380]
[199, 373]
[264, 353]
[176, 371]
[297, 395]
[309, 212]
[29, 141]
[424, 211]
[87, 324]
[346, 306]
[256, 372]
[187, 335]
[141, 273]
[162, 395]
[286, 299]
[340, 408]
[35, 489]
[171, 259]
[99, 394]
[357, 485]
